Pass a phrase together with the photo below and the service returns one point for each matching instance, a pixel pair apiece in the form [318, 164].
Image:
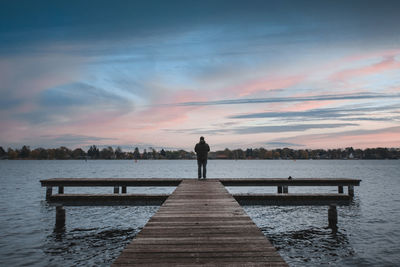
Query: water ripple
[368, 235]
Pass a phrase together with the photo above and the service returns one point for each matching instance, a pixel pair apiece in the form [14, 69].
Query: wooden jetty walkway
[200, 224]
[120, 196]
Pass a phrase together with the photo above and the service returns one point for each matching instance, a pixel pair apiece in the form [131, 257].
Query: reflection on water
[314, 245]
[87, 247]
[92, 236]
[301, 234]
[368, 234]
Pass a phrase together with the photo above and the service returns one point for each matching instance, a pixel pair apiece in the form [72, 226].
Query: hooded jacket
[202, 149]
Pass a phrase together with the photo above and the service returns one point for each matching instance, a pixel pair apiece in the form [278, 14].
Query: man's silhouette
[202, 149]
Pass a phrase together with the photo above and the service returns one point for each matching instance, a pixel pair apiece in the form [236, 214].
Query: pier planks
[200, 224]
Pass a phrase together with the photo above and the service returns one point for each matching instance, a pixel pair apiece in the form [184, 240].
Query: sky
[272, 74]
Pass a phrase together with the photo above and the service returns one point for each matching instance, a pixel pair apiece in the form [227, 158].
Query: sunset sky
[273, 74]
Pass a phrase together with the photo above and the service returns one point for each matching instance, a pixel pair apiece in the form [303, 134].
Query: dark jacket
[202, 150]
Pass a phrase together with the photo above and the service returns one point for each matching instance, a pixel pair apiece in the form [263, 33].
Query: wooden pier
[200, 224]
[121, 197]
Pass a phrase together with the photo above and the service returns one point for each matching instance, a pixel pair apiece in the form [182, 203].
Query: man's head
[202, 138]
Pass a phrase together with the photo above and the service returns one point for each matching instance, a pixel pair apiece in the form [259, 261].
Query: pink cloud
[146, 125]
[160, 115]
[387, 63]
[386, 137]
[304, 106]
[282, 81]
[264, 84]
[24, 77]
[369, 55]
[12, 131]
[149, 123]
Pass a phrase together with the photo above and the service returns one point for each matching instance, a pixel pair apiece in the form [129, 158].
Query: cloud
[72, 139]
[382, 119]
[343, 113]
[361, 138]
[85, 141]
[395, 129]
[271, 84]
[277, 144]
[315, 113]
[60, 20]
[261, 129]
[76, 102]
[66, 71]
[289, 128]
[287, 99]
[80, 94]
[8, 103]
[386, 64]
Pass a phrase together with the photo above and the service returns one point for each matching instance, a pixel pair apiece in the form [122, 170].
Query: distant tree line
[258, 153]
[293, 154]
[92, 153]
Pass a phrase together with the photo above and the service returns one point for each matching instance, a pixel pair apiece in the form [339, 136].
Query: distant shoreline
[109, 153]
[191, 159]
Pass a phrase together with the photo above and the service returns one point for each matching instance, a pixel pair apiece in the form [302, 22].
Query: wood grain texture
[158, 199]
[200, 224]
[175, 182]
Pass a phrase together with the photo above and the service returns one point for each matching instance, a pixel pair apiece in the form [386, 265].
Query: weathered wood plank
[154, 259]
[200, 224]
[209, 264]
[292, 199]
[289, 182]
[110, 182]
[106, 199]
[186, 194]
[143, 199]
[176, 182]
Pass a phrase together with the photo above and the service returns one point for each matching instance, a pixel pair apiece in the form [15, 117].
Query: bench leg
[49, 192]
[340, 189]
[285, 189]
[116, 189]
[351, 190]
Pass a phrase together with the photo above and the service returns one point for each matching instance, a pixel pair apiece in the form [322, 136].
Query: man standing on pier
[202, 149]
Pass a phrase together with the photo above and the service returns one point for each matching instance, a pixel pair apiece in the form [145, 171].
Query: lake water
[369, 229]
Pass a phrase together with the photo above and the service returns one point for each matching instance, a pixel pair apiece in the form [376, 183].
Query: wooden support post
[60, 219]
[279, 189]
[49, 192]
[285, 189]
[116, 189]
[61, 189]
[124, 189]
[332, 217]
[351, 190]
[340, 189]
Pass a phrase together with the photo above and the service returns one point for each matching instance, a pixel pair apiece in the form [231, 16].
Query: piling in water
[332, 217]
[351, 190]
[60, 219]
[49, 192]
